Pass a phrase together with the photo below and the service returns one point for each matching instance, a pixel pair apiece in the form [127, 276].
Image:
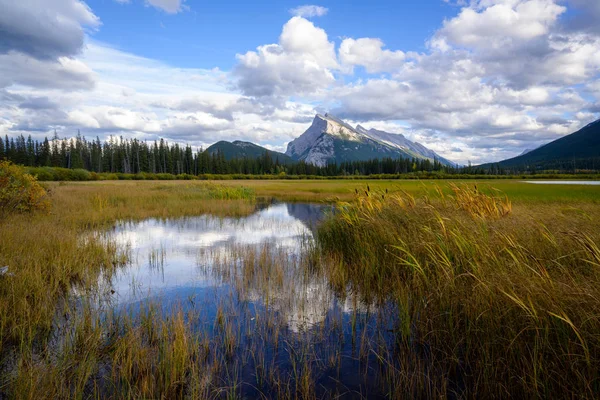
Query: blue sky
[474, 80]
[209, 34]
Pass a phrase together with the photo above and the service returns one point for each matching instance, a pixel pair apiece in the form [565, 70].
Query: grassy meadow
[492, 289]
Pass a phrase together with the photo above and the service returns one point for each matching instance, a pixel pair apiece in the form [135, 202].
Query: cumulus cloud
[499, 23]
[44, 29]
[520, 42]
[499, 77]
[132, 98]
[39, 41]
[39, 103]
[300, 64]
[369, 53]
[308, 11]
[64, 73]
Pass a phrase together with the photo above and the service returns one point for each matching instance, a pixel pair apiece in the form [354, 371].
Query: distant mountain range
[582, 146]
[239, 149]
[330, 139]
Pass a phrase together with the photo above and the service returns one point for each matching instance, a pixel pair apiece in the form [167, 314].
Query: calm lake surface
[176, 257]
[594, 183]
[253, 278]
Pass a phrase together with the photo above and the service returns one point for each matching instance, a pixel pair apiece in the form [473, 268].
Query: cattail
[368, 188]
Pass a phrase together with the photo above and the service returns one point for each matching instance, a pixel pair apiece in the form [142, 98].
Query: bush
[80, 175]
[41, 173]
[20, 191]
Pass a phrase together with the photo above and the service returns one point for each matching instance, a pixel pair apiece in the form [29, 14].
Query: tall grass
[505, 299]
[456, 292]
[51, 259]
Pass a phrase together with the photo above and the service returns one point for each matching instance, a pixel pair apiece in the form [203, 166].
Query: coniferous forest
[132, 156]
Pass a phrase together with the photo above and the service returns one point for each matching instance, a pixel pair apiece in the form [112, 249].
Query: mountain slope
[399, 141]
[581, 145]
[239, 149]
[330, 139]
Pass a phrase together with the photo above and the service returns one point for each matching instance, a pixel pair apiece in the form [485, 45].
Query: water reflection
[254, 281]
[173, 259]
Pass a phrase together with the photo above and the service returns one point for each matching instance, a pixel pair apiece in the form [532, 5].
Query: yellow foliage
[20, 192]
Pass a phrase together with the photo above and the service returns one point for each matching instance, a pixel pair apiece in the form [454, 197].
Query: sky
[474, 80]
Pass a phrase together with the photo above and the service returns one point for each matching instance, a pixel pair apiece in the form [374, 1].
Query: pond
[254, 281]
[593, 183]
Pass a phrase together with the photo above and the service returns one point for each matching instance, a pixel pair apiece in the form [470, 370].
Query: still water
[593, 183]
[253, 278]
[175, 257]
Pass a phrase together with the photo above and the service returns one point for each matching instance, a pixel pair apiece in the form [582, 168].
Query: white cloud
[308, 11]
[369, 52]
[132, 98]
[64, 73]
[44, 29]
[502, 76]
[499, 23]
[300, 64]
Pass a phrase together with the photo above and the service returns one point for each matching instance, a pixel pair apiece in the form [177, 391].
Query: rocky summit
[329, 139]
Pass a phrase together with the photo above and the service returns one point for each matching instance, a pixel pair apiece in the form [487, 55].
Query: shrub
[20, 191]
[41, 173]
[79, 174]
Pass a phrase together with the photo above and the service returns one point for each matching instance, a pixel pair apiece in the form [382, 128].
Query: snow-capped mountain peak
[330, 139]
[337, 127]
[316, 144]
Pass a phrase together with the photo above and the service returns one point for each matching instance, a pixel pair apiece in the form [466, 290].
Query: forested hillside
[131, 156]
[577, 151]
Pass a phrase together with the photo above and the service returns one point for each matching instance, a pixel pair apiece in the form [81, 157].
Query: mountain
[400, 142]
[330, 139]
[583, 145]
[239, 149]
[526, 151]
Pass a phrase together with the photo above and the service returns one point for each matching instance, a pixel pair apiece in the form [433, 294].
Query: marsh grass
[505, 299]
[449, 291]
[51, 258]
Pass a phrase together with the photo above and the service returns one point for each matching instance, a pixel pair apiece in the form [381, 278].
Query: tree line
[133, 156]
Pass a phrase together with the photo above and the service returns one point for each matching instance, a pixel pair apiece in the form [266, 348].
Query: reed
[441, 291]
[505, 298]
[52, 260]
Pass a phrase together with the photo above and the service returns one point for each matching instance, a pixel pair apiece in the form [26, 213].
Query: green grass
[518, 191]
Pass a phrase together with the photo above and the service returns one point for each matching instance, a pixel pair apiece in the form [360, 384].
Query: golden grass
[47, 257]
[491, 296]
[506, 298]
